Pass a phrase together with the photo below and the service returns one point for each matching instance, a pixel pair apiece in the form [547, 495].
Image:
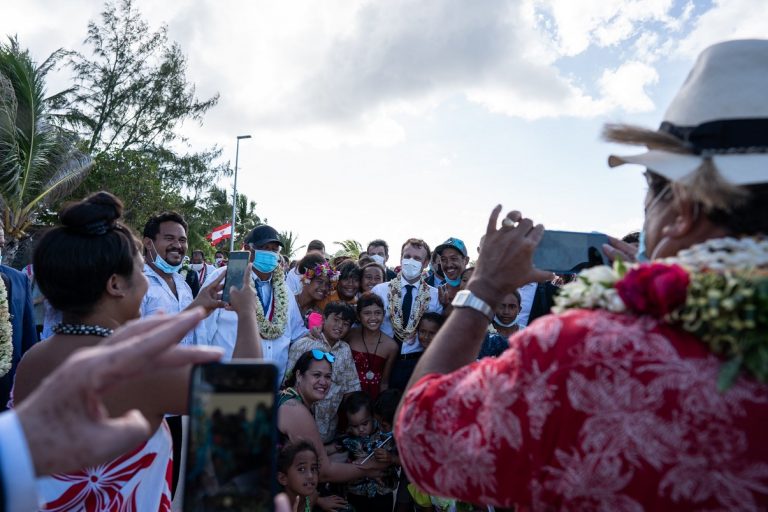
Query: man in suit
[22, 320]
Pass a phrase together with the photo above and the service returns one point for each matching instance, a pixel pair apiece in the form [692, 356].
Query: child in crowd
[297, 472]
[428, 326]
[363, 442]
[374, 352]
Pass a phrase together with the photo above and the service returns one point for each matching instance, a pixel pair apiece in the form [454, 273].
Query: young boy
[428, 326]
[297, 472]
[337, 318]
[365, 439]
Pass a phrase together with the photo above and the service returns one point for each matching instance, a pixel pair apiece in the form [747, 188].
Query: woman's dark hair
[465, 271]
[74, 261]
[342, 309]
[386, 404]
[311, 260]
[152, 227]
[373, 264]
[349, 270]
[433, 317]
[368, 299]
[289, 452]
[356, 401]
[301, 366]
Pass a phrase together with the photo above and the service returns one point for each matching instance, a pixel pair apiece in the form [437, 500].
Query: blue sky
[415, 117]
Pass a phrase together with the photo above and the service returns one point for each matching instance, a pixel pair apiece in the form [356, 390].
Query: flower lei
[6, 332]
[273, 329]
[321, 269]
[717, 290]
[395, 298]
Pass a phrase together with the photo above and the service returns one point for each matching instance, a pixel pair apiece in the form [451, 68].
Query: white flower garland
[6, 332]
[594, 288]
[271, 330]
[395, 299]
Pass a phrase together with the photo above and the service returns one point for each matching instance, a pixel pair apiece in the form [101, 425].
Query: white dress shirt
[220, 330]
[17, 468]
[382, 290]
[159, 297]
[293, 280]
[204, 277]
[527, 293]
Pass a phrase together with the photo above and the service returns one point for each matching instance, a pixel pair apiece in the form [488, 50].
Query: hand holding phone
[232, 437]
[237, 268]
[569, 252]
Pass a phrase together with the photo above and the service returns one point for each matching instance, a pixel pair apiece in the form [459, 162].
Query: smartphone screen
[232, 438]
[569, 252]
[239, 262]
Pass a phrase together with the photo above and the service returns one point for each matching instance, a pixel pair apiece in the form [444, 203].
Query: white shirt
[17, 468]
[205, 276]
[382, 290]
[220, 330]
[527, 293]
[159, 297]
[293, 280]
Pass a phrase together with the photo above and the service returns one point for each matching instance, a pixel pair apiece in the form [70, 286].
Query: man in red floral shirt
[648, 391]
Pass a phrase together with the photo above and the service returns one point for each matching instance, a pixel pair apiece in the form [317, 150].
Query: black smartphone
[239, 261]
[231, 446]
[570, 252]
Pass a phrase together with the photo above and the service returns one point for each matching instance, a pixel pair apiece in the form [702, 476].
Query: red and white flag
[220, 233]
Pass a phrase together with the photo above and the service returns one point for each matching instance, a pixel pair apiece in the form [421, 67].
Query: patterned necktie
[407, 303]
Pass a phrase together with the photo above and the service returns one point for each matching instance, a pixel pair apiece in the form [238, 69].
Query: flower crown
[321, 269]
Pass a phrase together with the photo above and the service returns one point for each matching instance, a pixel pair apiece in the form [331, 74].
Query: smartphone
[570, 252]
[239, 261]
[231, 446]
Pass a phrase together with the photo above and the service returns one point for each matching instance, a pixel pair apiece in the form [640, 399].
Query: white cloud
[727, 19]
[625, 87]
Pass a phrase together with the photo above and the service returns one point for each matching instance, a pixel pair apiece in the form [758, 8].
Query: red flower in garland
[654, 289]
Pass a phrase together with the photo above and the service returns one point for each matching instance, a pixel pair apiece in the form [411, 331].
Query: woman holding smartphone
[90, 268]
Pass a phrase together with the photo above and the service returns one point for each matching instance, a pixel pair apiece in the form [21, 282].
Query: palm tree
[288, 240]
[351, 248]
[39, 162]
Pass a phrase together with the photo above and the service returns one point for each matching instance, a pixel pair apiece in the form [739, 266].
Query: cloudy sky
[398, 118]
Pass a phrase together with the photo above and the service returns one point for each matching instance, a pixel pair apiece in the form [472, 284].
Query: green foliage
[351, 248]
[39, 161]
[289, 241]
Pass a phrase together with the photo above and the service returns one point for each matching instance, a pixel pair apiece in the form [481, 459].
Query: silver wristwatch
[467, 299]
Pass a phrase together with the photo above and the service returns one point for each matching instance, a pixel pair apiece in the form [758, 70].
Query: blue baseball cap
[453, 243]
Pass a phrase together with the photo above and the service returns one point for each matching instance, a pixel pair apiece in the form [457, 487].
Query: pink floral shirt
[590, 410]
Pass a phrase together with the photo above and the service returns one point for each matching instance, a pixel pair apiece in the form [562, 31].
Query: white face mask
[378, 258]
[197, 267]
[502, 324]
[411, 268]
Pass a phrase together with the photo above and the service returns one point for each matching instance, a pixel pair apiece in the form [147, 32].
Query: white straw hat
[721, 112]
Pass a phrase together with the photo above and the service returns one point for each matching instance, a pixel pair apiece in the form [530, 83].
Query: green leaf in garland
[728, 373]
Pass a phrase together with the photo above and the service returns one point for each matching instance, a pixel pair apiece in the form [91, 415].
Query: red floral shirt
[590, 410]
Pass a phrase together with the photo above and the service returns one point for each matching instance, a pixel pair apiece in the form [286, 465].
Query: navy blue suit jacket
[22, 322]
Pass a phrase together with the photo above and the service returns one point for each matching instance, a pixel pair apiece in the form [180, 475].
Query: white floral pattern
[590, 411]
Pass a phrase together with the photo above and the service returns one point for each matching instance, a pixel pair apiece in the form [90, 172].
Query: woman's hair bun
[95, 215]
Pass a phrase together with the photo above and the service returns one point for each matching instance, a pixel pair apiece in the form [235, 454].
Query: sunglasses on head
[319, 355]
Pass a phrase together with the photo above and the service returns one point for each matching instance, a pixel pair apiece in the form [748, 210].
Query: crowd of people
[428, 383]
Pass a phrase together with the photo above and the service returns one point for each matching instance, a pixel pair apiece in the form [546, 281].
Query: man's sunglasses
[319, 355]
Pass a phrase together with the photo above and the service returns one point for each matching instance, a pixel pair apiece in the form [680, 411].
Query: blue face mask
[453, 282]
[265, 261]
[163, 265]
[641, 256]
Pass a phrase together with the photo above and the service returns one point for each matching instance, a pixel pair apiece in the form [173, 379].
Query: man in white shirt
[411, 298]
[199, 265]
[165, 244]
[280, 320]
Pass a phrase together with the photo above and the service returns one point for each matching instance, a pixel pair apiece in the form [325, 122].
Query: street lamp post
[234, 194]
